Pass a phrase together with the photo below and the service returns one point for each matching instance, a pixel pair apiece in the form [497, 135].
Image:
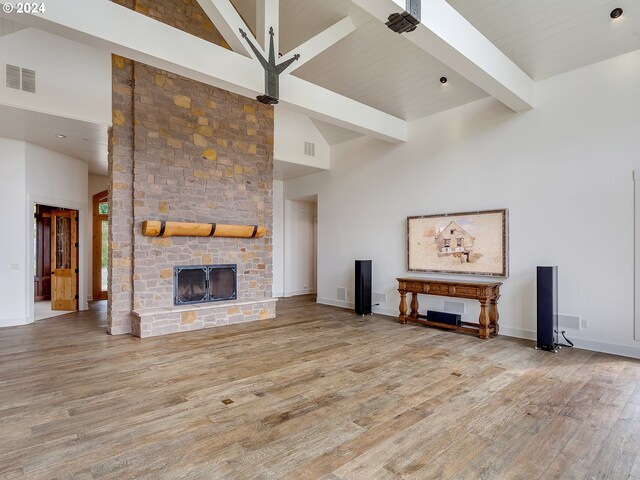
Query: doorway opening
[301, 230]
[55, 261]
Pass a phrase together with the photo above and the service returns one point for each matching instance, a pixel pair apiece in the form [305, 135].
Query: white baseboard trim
[277, 294]
[293, 293]
[334, 303]
[623, 350]
[13, 322]
[517, 332]
[391, 312]
[585, 344]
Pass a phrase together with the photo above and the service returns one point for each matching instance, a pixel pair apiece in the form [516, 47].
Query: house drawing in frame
[468, 243]
[454, 239]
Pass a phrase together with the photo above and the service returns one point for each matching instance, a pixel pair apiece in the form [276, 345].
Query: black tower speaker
[547, 308]
[363, 287]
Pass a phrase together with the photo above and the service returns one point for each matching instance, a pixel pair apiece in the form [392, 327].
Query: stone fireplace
[184, 151]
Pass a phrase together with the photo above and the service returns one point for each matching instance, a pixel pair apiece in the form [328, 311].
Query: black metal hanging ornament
[271, 70]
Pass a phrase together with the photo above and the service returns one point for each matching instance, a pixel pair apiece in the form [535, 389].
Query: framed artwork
[468, 243]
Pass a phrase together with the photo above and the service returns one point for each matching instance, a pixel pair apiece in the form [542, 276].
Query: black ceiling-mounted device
[616, 13]
[407, 21]
[271, 70]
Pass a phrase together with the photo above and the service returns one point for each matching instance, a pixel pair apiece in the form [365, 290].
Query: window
[459, 241]
[447, 242]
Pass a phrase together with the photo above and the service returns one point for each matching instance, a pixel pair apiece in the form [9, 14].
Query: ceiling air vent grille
[13, 77]
[310, 149]
[28, 80]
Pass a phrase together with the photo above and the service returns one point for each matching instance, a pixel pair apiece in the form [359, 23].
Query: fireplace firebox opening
[204, 283]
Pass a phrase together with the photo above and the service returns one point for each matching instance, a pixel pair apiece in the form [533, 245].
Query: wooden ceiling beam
[446, 35]
[228, 22]
[267, 16]
[132, 35]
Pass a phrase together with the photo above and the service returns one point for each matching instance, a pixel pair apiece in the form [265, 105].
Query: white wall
[291, 130]
[30, 175]
[72, 80]
[278, 238]
[97, 184]
[564, 170]
[300, 247]
[13, 248]
[59, 181]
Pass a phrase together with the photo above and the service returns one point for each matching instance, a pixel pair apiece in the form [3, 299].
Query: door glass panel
[63, 242]
[103, 208]
[104, 254]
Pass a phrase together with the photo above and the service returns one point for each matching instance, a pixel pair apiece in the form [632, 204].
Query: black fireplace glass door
[222, 282]
[191, 285]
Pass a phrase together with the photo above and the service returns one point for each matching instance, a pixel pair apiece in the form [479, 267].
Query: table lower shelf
[468, 327]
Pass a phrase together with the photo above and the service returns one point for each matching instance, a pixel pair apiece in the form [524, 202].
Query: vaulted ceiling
[392, 77]
[385, 70]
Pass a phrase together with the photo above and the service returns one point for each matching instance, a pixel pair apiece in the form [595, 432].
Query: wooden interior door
[64, 260]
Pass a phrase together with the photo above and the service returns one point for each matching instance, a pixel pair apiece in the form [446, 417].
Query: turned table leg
[494, 316]
[414, 305]
[403, 307]
[484, 319]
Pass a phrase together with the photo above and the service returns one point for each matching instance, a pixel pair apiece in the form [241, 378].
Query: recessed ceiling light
[59, 135]
[443, 80]
[616, 13]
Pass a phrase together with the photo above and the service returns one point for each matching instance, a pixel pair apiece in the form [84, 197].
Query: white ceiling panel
[548, 37]
[372, 65]
[83, 140]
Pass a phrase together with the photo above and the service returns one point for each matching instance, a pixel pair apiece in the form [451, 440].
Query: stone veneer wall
[201, 154]
[120, 268]
[183, 151]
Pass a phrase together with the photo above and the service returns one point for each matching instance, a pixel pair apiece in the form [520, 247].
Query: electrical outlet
[583, 323]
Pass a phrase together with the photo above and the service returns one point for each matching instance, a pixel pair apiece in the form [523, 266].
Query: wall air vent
[310, 149]
[13, 77]
[28, 80]
[21, 78]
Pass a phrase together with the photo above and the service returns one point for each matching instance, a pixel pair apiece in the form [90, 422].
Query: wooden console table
[487, 293]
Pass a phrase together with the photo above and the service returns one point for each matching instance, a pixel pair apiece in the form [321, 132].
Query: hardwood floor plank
[314, 393]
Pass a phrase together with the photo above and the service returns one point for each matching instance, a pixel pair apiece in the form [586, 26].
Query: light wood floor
[317, 393]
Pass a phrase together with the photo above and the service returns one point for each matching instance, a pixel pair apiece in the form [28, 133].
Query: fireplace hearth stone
[153, 322]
